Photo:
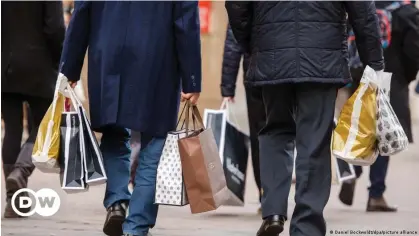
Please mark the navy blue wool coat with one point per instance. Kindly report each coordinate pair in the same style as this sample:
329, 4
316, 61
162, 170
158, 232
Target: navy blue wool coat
141, 54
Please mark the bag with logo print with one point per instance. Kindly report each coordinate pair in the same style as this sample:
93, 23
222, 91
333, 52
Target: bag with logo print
233, 150
202, 168
170, 187
390, 134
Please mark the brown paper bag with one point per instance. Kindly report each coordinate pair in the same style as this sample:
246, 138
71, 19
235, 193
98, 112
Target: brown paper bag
202, 169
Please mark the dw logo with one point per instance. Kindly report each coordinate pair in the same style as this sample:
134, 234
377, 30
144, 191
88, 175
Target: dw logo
46, 202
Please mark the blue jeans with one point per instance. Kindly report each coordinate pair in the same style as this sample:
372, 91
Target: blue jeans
378, 173
142, 212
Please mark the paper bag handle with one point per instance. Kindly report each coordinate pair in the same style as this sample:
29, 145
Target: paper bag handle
196, 117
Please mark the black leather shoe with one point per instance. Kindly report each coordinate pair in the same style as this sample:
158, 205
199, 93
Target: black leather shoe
346, 195
115, 218
272, 226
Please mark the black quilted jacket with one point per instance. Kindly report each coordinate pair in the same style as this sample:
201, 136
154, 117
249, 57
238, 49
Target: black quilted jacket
231, 64
296, 41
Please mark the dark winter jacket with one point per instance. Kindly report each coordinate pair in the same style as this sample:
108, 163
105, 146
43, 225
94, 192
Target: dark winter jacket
295, 41
231, 63
32, 34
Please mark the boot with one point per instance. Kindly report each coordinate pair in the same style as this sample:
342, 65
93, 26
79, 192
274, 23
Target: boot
15, 180
379, 205
8, 210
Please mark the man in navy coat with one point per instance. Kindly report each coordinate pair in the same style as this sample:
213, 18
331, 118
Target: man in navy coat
141, 55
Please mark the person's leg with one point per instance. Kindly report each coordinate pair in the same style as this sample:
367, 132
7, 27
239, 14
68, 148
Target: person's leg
116, 157
314, 120
29, 118
378, 174
276, 146
256, 115
24, 166
142, 211
12, 113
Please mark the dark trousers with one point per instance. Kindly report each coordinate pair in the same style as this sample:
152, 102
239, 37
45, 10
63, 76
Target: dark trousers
256, 114
13, 153
378, 173
301, 115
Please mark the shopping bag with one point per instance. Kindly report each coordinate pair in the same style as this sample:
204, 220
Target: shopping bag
92, 156
390, 134
47, 144
170, 187
233, 150
202, 168
354, 139
344, 170
71, 157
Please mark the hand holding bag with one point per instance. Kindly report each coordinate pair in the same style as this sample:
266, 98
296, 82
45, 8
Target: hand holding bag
202, 168
354, 139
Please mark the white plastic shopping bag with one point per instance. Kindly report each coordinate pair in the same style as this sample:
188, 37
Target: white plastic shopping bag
390, 134
354, 139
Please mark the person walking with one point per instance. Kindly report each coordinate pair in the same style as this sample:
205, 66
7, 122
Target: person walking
399, 23
32, 36
298, 57
141, 55
231, 64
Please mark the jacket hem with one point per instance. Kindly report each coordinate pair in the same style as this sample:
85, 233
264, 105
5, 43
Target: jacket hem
340, 81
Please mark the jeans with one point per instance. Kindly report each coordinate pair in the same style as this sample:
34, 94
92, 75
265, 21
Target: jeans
142, 211
378, 173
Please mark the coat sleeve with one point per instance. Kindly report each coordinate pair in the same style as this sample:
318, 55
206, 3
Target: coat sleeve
240, 18
363, 18
54, 29
188, 44
76, 41
231, 64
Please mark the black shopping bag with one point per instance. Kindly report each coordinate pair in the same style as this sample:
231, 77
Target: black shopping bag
234, 153
70, 155
93, 160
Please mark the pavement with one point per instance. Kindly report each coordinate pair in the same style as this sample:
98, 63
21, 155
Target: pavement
83, 214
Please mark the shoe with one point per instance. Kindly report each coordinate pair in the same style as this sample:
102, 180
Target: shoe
379, 205
16, 180
346, 195
114, 219
9, 213
272, 226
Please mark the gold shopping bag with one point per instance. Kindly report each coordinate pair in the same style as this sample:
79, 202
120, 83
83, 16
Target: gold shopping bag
354, 139
47, 145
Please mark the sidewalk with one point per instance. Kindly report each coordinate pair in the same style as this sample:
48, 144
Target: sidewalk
83, 214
